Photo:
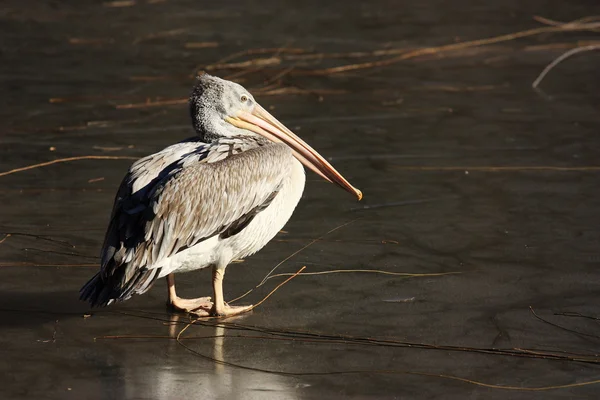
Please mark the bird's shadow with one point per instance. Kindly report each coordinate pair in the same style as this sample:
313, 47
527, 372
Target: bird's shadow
31, 308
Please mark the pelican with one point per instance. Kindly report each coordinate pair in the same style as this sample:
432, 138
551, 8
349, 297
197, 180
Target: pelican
205, 201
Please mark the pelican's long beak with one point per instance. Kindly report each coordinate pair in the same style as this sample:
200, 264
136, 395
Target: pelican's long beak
262, 122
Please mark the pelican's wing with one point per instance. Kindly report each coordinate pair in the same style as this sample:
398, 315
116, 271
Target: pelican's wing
202, 194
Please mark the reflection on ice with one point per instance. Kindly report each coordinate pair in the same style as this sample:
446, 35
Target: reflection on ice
196, 377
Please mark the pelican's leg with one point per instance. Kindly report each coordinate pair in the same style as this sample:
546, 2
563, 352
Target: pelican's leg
200, 306
220, 308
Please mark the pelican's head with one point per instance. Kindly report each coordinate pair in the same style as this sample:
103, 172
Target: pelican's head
222, 108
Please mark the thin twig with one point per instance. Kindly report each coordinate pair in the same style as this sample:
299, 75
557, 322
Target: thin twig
251, 308
455, 46
298, 335
560, 59
242, 72
576, 314
296, 90
560, 45
62, 253
157, 103
289, 257
5, 237
254, 52
275, 78
260, 67
374, 271
163, 34
119, 3
304, 248
68, 159
552, 22
40, 237
562, 327
255, 62
277, 287
383, 371
465, 380
501, 169
27, 264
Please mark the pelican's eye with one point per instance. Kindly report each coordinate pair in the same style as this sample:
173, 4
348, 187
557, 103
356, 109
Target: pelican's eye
244, 98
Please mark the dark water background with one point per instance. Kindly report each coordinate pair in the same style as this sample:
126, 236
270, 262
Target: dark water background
465, 169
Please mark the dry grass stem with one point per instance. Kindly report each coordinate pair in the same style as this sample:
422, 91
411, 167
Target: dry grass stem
5, 237
92, 41
292, 276
201, 45
561, 45
289, 257
164, 34
119, 3
551, 22
255, 62
251, 52
373, 271
576, 314
139, 78
235, 76
560, 59
63, 160
345, 340
296, 90
28, 264
155, 103
95, 180
450, 88
500, 169
560, 326
571, 26
304, 248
